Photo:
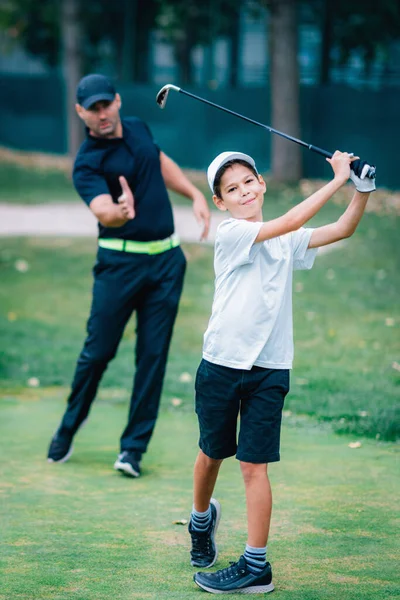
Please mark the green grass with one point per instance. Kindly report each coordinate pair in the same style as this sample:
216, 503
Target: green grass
80, 531
346, 324
33, 185
22, 185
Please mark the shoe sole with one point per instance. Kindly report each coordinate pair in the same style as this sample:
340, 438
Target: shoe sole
126, 469
64, 458
257, 589
218, 509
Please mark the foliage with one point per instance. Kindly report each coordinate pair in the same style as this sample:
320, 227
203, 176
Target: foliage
204, 19
365, 25
37, 27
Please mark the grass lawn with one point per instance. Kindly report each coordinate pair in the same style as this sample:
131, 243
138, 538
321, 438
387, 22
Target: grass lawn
80, 531
347, 319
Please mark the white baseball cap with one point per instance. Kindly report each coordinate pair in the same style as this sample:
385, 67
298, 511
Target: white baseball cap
221, 160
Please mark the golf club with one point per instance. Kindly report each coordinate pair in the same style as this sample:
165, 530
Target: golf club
162, 97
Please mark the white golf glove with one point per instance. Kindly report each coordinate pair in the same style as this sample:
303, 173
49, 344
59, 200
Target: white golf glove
358, 174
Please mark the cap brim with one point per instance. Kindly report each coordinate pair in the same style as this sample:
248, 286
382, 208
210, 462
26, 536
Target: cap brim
88, 102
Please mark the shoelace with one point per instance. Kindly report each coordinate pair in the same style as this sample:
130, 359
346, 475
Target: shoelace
232, 571
201, 544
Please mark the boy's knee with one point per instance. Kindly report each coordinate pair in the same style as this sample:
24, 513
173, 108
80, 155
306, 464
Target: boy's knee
208, 461
252, 471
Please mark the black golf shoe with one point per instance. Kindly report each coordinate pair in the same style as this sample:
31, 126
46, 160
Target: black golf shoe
236, 579
204, 550
60, 449
128, 463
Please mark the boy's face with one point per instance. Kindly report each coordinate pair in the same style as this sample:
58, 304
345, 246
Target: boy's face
242, 193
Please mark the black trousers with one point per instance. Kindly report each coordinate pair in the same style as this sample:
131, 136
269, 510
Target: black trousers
124, 282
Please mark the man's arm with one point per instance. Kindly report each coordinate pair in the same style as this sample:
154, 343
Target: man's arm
177, 181
114, 215
303, 212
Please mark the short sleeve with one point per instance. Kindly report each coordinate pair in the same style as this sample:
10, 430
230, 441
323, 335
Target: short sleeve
88, 182
303, 256
236, 239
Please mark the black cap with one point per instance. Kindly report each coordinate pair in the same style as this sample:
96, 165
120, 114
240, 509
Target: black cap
94, 88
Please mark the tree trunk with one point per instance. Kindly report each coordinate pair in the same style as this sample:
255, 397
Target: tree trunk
71, 36
235, 39
326, 45
285, 90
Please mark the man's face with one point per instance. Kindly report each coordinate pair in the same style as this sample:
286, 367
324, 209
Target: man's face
242, 193
102, 118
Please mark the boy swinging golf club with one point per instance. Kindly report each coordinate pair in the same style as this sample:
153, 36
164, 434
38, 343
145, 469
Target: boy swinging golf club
248, 350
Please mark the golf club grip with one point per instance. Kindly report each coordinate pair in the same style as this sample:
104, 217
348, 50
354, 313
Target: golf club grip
371, 173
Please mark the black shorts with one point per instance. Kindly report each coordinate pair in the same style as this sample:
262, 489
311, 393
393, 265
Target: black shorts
257, 395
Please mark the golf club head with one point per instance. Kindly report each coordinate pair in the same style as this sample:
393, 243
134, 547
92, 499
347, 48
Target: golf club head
162, 95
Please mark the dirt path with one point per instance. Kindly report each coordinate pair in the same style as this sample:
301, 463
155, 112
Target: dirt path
74, 219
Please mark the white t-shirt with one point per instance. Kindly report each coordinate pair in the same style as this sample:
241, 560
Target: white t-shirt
251, 321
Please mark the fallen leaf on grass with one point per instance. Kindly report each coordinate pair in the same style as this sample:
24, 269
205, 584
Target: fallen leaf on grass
330, 274
12, 316
180, 522
185, 377
355, 445
21, 265
301, 381
389, 322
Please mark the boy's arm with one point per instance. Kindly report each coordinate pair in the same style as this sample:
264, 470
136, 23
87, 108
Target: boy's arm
344, 227
303, 212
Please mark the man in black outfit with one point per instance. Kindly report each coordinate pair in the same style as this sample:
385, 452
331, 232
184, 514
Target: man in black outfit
122, 175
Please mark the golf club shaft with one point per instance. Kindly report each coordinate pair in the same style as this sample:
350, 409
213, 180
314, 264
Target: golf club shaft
163, 94
270, 129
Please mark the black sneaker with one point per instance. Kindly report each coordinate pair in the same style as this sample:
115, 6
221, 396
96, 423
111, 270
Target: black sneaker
236, 579
60, 449
204, 551
128, 463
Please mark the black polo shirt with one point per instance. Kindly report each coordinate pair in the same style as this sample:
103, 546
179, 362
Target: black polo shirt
99, 164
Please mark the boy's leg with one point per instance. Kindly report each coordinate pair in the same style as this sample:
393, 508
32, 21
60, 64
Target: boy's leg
258, 501
251, 574
263, 394
217, 407
206, 512
205, 475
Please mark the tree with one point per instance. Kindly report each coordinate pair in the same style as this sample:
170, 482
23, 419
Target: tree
284, 83
72, 68
363, 25
187, 23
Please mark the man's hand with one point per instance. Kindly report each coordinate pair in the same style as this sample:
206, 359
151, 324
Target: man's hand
201, 212
340, 163
358, 175
126, 200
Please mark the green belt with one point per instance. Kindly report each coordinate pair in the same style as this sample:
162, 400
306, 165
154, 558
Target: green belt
156, 247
